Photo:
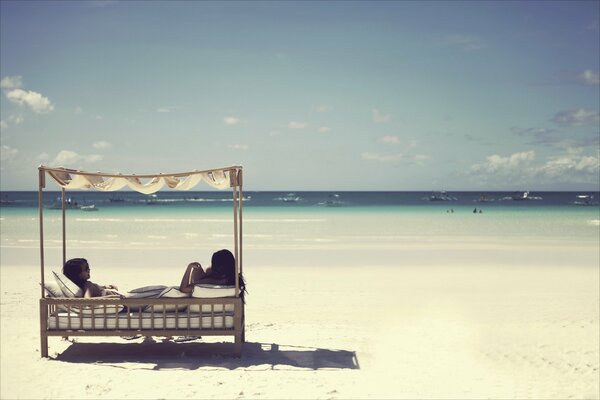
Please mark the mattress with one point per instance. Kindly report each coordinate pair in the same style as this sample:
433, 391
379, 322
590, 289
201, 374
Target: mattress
64, 320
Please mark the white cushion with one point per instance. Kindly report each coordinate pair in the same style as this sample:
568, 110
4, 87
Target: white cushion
68, 288
170, 293
206, 291
53, 290
98, 310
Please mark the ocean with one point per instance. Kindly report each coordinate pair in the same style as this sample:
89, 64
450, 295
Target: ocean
327, 222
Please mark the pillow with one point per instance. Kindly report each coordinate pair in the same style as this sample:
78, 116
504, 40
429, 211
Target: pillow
52, 289
68, 288
211, 291
169, 293
206, 291
145, 289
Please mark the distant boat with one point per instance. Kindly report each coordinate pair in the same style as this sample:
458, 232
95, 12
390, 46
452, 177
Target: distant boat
91, 207
522, 196
289, 198
584, 200
333, 201
116, 199
57, 205
440, 196
152, 199
485, 199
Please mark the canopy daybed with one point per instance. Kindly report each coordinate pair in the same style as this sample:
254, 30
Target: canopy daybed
210, 311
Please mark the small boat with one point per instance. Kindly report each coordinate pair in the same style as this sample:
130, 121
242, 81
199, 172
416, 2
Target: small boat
522, 196
152, 199
485, 199
116, 199
333, 201
289, 198
584, 200
440, 196
91, 207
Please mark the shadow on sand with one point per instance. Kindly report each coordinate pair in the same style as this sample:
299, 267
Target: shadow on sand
193, 355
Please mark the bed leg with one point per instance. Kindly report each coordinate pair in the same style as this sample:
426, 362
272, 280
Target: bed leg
237, 349
43, 329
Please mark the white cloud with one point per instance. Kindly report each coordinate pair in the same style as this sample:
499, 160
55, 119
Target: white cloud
496, 164
102, 144
390, 139
43, 156
7, 153
3, 125
67, 158
274, 133
324, 129
381, 157
589, 77
577, 117
322, 108
467, 43
11, 82
395, 157
16, 119
164, 109
571, 165
34, 100
231, 120
379, 117
297, 125
238, 146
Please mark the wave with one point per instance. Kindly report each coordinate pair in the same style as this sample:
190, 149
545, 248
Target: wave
594, 222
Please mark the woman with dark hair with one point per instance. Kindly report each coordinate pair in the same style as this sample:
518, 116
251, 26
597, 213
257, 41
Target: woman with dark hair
78, 271
220, 272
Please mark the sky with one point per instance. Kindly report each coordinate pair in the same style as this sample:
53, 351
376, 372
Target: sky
306, 95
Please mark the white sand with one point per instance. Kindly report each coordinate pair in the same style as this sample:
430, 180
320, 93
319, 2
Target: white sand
428, 327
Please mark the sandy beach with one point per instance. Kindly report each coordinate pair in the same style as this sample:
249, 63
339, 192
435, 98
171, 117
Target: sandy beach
415, 323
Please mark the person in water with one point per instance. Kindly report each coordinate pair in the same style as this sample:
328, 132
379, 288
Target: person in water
78, 271
220, 272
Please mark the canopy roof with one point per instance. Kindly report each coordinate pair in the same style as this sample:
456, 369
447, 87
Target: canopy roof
220, 178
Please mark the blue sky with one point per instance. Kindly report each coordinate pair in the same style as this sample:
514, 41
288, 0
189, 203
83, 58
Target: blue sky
306, 95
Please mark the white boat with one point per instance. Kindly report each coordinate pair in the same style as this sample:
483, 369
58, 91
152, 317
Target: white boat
485, 199
584, 200
91, 207
440, 196
333, 201
289, 198
521, 196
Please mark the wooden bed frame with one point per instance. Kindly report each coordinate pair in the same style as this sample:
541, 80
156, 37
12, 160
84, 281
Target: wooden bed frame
55, 311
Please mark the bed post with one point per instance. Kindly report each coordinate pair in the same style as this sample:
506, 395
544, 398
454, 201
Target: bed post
64, 237
41, 184
242, 307
43, 306
235, 229
43, 328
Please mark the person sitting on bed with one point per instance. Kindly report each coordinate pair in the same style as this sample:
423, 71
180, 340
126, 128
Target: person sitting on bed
220, 272
78, 271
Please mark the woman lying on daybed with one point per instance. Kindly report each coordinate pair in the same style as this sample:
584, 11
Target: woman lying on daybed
220, 272
78, 271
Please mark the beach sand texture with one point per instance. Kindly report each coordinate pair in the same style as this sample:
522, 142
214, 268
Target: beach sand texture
467, 317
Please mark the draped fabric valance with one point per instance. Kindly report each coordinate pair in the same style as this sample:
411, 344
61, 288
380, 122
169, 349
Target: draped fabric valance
221, 178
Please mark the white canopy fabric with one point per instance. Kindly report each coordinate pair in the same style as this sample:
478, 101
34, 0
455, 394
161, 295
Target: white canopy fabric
72, 179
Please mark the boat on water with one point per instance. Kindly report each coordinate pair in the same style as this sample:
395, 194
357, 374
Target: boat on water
523, 196
584, 200
485, 199
152, 199
289, 198
91, 207
440, 196
333, 201
57, 204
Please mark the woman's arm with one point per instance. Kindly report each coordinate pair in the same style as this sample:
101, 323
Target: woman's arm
191, 276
